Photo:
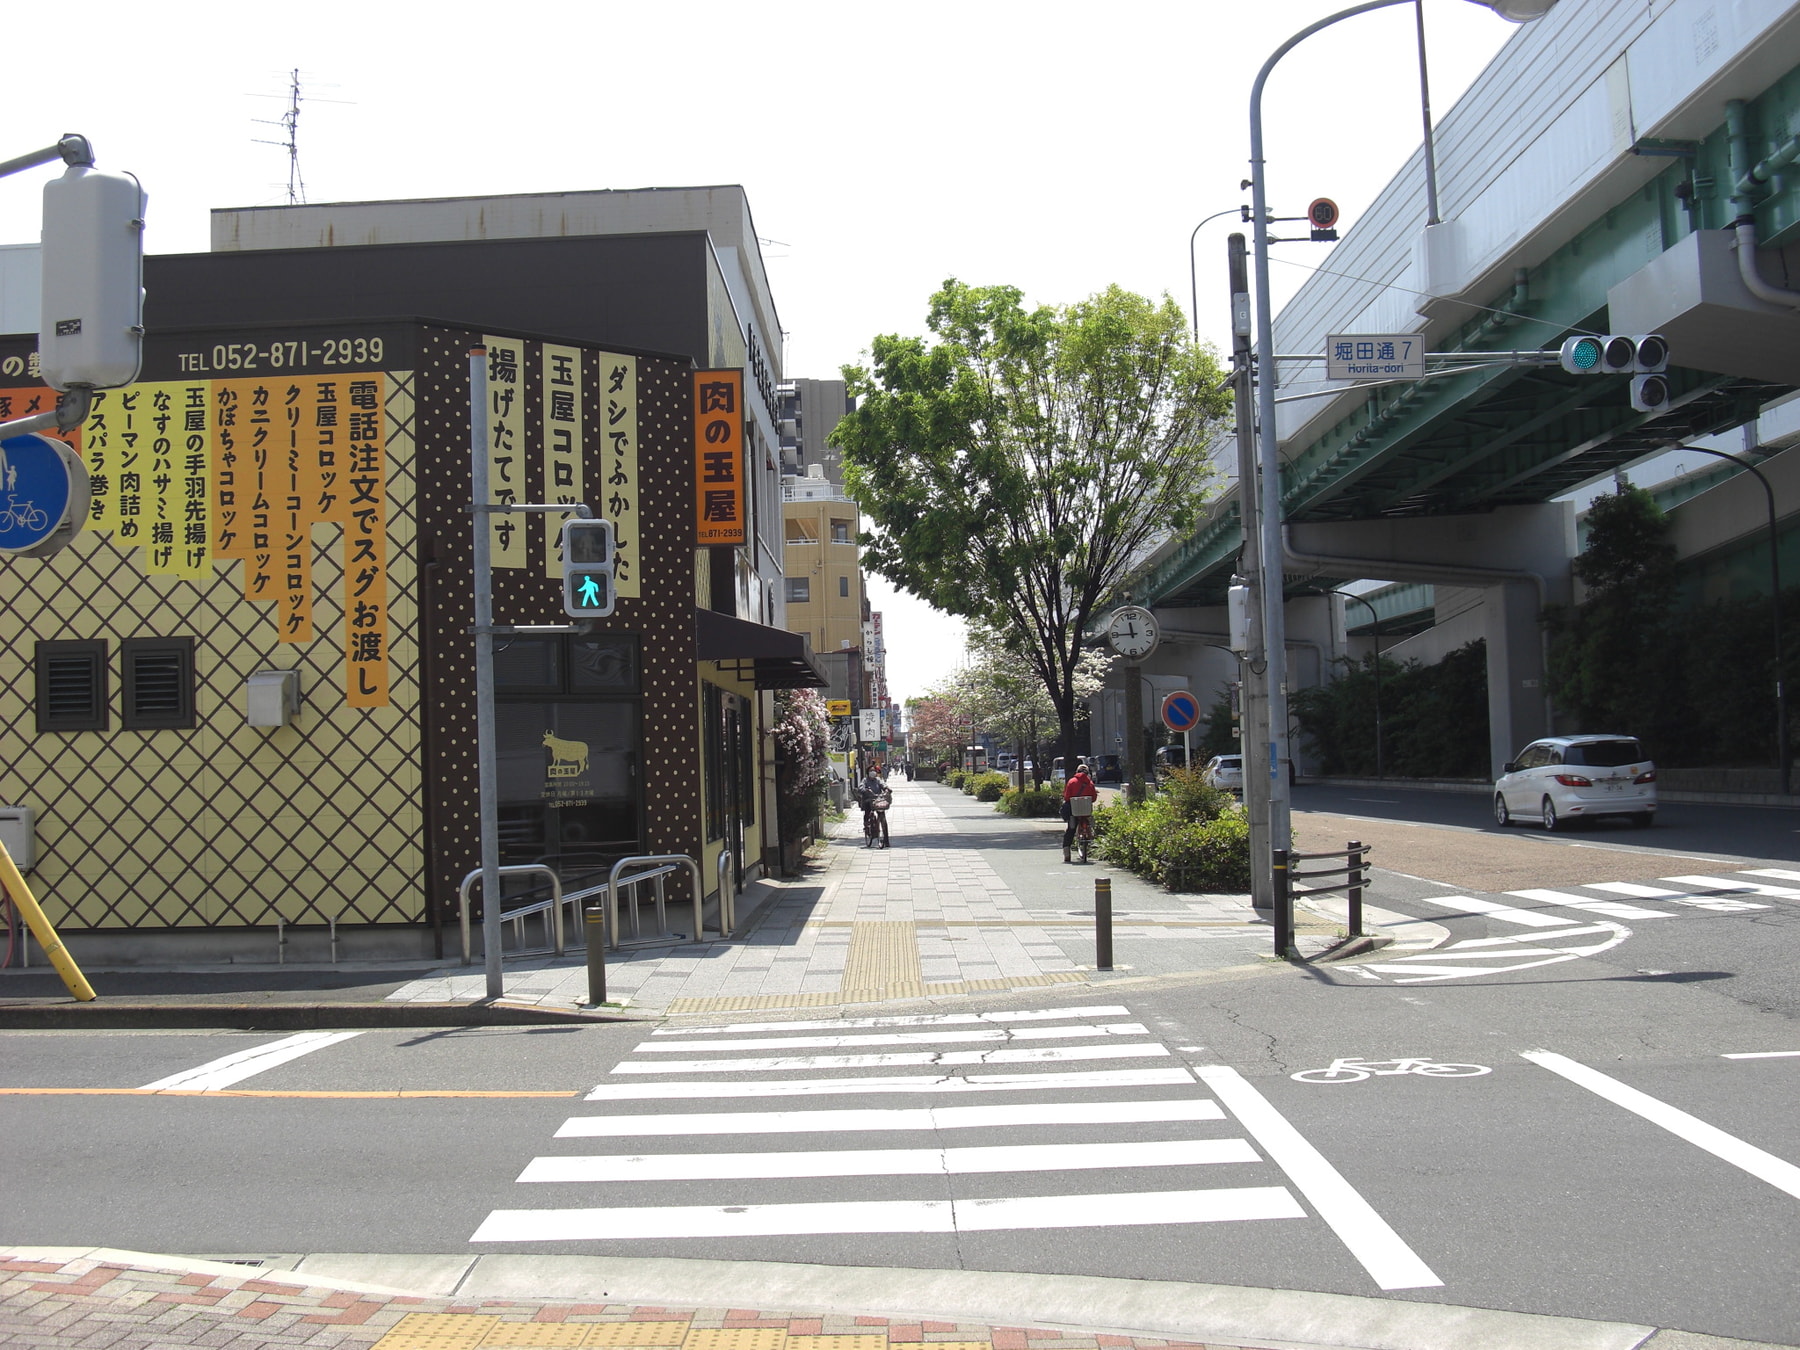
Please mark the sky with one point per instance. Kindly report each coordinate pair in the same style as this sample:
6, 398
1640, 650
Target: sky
1056, 147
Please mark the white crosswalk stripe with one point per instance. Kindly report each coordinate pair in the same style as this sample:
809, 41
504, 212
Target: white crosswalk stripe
1096, 1148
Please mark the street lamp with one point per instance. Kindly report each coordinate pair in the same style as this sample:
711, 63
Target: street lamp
1194, 271
1273, 642
1781, 736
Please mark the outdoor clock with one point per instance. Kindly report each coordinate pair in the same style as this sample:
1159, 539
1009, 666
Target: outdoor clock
1132, 632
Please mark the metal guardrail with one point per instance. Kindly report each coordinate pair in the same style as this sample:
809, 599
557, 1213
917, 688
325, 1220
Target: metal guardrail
1351, 886
553, 905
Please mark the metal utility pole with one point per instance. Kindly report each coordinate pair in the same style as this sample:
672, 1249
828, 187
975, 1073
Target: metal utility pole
1134, 734
1255, 717
488, 770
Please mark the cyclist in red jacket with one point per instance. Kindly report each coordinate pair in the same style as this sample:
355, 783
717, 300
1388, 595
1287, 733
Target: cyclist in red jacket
1080, 784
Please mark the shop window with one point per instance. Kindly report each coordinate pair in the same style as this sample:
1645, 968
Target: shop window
569, 744
799, 590
158, 684
599, 663
71, 686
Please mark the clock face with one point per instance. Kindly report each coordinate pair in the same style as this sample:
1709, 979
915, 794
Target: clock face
1132, 631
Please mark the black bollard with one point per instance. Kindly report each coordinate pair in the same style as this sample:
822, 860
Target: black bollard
1103, 959
1355, 889
595, 932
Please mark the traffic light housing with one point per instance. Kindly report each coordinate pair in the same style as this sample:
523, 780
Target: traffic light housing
91, 329
1643, 356
587, 557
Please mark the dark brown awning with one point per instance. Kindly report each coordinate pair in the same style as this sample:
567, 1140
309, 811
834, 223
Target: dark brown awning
772, 658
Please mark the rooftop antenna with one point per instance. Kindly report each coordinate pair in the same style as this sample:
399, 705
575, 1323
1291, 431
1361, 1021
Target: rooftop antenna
290, 123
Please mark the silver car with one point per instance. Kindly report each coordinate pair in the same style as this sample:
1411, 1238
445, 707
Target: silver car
1567, 778
1225, 771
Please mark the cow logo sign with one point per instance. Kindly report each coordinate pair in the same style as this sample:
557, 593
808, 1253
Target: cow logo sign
566, 774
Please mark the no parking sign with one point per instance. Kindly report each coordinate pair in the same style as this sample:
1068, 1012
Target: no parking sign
1180, 711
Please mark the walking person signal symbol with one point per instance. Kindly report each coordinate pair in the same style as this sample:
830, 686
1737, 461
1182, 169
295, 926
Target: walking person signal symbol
587, 549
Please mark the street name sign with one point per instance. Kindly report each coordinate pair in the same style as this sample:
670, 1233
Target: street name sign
1375, 356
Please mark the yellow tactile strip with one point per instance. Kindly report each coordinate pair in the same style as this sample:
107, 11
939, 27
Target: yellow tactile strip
742, 1330
882, 954
756, 1002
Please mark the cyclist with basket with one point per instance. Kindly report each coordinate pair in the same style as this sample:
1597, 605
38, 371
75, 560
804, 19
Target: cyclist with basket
1079, 796
873, 796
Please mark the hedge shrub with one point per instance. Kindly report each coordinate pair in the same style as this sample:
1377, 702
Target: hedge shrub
1189, 837
986, 787
1031, 801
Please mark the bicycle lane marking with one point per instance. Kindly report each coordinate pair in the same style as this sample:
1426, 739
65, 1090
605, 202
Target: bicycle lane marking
1764, 1166
1391, 1263
1354, 1069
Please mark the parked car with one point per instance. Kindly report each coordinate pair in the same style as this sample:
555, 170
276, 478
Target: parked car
1170, 757
1225, 771
1107, 768
1561, 779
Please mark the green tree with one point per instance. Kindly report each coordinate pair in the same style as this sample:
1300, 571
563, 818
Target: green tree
1002, 696
1615, 665
1016, 463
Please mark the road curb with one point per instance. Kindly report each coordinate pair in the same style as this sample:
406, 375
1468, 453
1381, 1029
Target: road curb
112, 1015
1216, 1314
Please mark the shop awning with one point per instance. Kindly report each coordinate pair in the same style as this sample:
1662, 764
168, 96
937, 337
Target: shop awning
772, 657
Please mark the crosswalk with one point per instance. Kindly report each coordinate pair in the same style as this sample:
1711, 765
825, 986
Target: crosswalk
1013, 1127
1601, 911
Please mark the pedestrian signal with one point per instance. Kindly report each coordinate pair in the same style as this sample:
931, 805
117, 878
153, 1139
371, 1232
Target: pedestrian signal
587, 557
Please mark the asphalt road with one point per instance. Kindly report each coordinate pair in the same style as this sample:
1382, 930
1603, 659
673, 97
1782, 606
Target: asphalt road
1612, 1162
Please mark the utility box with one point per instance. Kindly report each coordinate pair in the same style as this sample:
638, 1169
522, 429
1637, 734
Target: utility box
272, 698
18, 831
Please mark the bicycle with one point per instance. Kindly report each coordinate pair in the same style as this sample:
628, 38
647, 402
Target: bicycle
26, 517
1081, 811
875, 828
1355, 1070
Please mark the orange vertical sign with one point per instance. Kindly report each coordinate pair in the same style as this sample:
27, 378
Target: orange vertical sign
365, 545
719, 457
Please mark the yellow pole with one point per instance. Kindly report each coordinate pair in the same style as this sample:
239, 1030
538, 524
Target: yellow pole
41, 929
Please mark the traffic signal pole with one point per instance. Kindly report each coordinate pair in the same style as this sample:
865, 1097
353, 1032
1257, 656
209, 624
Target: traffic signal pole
1254, 741
484, 629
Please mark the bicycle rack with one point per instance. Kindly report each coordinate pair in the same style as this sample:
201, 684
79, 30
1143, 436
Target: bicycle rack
551, 908
656, 866
1351, 886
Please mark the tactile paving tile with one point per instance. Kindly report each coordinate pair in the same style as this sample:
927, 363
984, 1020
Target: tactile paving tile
878, 1341
437, 1331
635, 1333
536, 1336
736, 1338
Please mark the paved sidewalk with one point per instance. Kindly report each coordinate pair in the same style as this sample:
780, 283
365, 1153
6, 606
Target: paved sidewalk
966, 900
94, 1299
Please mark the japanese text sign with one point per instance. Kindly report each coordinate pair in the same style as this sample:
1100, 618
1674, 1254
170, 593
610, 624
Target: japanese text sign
719, 457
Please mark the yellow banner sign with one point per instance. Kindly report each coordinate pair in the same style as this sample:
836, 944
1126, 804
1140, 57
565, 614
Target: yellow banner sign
838, 707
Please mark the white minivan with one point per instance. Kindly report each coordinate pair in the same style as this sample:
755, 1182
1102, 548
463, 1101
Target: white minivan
1566, 778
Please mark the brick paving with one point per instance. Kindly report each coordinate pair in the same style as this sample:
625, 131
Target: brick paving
90, 1304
